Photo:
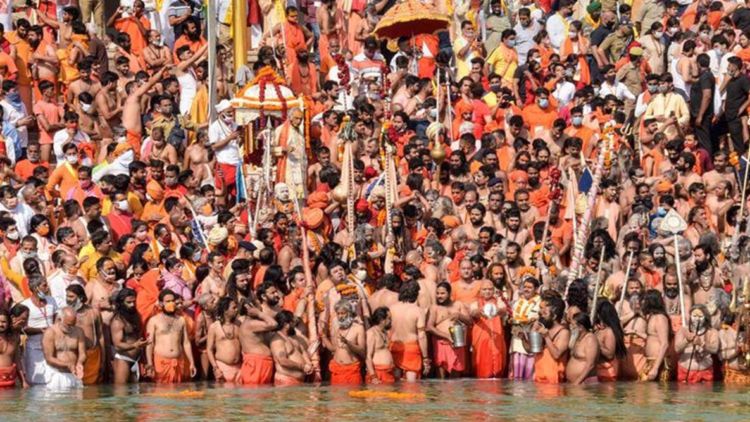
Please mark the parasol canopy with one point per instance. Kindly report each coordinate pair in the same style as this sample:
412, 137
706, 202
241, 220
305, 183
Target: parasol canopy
410, 17
265, 95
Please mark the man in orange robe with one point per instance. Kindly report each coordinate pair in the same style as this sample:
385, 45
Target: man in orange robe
488, 335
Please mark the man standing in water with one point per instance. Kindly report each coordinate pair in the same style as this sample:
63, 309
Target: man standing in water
408, 338
90, 322
379, 359
64, 347
449, 359
584, 352
289, 352
223, 344
347, 343
10, 356
169, 345
126, 337
658, 331
257, 361
695, 346
549, 365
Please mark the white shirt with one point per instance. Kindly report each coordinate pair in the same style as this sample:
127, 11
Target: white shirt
22, 213
564, 92
188, 91
62, 137
525, 39
57, 283
619, 90
557, 30
229, 153
42, 317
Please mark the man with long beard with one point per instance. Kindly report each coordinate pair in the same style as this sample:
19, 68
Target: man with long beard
90, 322
289, 351
672, 302
169, 344
449, 359
695, 346
347, 343
634, 329
125, 329
549, 365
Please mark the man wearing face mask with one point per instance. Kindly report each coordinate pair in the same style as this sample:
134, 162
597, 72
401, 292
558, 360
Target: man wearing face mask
169, 344
695, 346
70, 135
42, 311
64, 278
90, 323
120, 217
668, 108
64, 179
504, 60
19, 211
540, 115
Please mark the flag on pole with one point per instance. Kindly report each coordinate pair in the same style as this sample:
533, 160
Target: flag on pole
743, 169
239, 181
586, 181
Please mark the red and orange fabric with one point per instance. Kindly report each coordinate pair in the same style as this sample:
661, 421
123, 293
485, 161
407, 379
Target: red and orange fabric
345, 374
695, 376
489, 355
384, 373
256, 369
8, 376
93, 365
451, 359
548, 370
168, 370
407, 356
147, 295
607, 371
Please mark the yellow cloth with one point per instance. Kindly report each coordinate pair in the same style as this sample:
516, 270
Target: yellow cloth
88, 268
135, 205
504, 62
664, 105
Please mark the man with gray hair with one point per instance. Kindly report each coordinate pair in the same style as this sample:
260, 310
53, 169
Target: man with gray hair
346, 340
64, 346
42, 310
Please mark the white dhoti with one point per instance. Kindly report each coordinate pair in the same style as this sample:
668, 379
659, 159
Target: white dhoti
134, 369
58, 380
33, 360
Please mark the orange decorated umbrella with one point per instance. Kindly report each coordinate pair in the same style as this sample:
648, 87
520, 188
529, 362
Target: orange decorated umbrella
410, 17
267, 94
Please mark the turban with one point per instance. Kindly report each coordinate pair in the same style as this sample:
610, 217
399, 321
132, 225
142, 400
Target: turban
581, 204
361, 205
433, 129
664, 186
312, 217
217, 235
594, 7
370, 172
377, 191
317, 200
450, 221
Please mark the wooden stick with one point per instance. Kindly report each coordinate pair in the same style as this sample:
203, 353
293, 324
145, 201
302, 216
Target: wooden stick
596, 284
625, 285
679, 278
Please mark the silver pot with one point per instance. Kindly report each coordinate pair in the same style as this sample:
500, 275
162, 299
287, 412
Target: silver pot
458, 334
536, 342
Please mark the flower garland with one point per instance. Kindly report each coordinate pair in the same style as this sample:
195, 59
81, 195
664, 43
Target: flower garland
265, 76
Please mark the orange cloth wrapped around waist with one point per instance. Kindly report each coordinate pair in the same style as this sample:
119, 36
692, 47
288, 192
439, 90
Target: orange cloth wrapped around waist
407, 356
281, 380
230, 373
256, 369
385, 373
345, 374
731, 376
134, 140
93, 365
695, 376
548, 370
8, 376
607, 371
168, 371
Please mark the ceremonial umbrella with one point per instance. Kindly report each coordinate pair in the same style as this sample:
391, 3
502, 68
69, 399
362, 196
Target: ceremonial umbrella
410, 17
264, 95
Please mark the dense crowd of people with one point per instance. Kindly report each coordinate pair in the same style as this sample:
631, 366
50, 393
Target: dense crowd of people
543, 190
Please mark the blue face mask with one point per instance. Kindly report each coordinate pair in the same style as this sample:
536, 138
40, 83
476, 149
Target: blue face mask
13, 97
577, 121
543, 102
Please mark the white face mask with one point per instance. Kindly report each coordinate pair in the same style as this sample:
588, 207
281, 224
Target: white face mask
72, 159
123, 205
85, 107
127, 157
12, 235
360, 275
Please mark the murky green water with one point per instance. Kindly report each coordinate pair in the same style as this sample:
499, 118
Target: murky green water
441, 400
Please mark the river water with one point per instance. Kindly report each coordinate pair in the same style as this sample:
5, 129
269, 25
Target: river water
428, 400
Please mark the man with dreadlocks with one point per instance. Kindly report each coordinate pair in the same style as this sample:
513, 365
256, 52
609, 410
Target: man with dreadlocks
127, 342
658, 332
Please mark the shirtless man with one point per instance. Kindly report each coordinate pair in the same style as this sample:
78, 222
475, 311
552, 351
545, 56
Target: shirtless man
125, 329
733, 353
169, 344
89, 121
90, 322
108, 102
131, 109
223, 345
324, 159
100, 290
11, 367
64, 348
379, 359
476, 215
160, 148
214, 283
671, 290
197, 159
549, 365
695, 346
634, 330
257, 361
386, 293
408, 337
270, 299
449, 359
658, 333
424, 273
346, 341
584, 351
289, 351
84, 83
156, 55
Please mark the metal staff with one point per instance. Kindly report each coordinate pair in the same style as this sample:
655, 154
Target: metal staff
679, 278
625, 285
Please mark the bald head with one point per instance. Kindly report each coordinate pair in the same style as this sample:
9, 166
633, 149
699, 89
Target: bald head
68, 316
413, 258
